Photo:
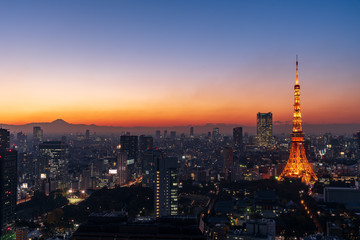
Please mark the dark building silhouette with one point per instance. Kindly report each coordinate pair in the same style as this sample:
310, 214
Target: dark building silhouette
157, 134
116, 226
37, 135
216, 134
129, 145
238, 136
87, 134
191, 131
8, 184
173, 134
228, 161
145, 143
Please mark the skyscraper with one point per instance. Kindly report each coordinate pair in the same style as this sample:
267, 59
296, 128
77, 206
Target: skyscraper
216, 134
148, 167
228, 161
264, 129
145, 143
238, 136
37, 135
122, 171
173, 135
87, 134
4, 140
166, 185
298, 165
53, 161
8, 185
191, 131
157, 134
129, 145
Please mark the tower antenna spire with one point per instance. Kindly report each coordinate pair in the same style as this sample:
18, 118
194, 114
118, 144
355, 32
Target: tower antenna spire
297, 70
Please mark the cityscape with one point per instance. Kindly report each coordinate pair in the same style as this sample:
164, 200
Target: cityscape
179, 120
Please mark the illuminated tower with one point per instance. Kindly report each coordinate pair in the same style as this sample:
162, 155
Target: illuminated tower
165, 185
297, 165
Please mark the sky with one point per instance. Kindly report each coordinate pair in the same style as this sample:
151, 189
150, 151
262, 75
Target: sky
167, 63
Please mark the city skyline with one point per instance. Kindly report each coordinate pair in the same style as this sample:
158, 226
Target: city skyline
167, 64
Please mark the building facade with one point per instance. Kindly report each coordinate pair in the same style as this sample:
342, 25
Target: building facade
53, 162
8, 185
166, 185
238, 136
264, 129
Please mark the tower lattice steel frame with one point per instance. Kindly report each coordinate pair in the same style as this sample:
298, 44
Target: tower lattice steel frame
298, 166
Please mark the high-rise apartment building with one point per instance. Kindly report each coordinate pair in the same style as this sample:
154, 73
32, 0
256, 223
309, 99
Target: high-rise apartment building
4, 140
228, 161
357, 144
53, 161
122, 170
37, 135
166, 185
157, 134
8, 186
145, 143
148, 167
87, 134
129, 145
173, 135
191, 131
216, 134
238, 136
264, 129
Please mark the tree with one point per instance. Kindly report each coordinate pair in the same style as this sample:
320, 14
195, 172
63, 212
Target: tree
55, 217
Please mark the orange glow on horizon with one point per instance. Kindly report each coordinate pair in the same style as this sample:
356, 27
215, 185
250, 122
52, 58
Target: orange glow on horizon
160, 104
159, 117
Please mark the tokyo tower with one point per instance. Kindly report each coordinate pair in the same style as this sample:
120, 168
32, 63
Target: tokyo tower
298, 166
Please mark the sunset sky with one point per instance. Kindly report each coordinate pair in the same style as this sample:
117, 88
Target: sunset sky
163, 63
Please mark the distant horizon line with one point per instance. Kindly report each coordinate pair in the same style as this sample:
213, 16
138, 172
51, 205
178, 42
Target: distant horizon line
180, 125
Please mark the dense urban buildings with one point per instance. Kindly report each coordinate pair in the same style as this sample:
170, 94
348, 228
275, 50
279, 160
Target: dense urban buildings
264, 129
233, 190
8, 185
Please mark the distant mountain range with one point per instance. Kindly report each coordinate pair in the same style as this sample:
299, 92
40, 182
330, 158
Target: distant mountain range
60, 126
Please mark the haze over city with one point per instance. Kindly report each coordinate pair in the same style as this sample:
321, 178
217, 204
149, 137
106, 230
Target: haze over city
166, 63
